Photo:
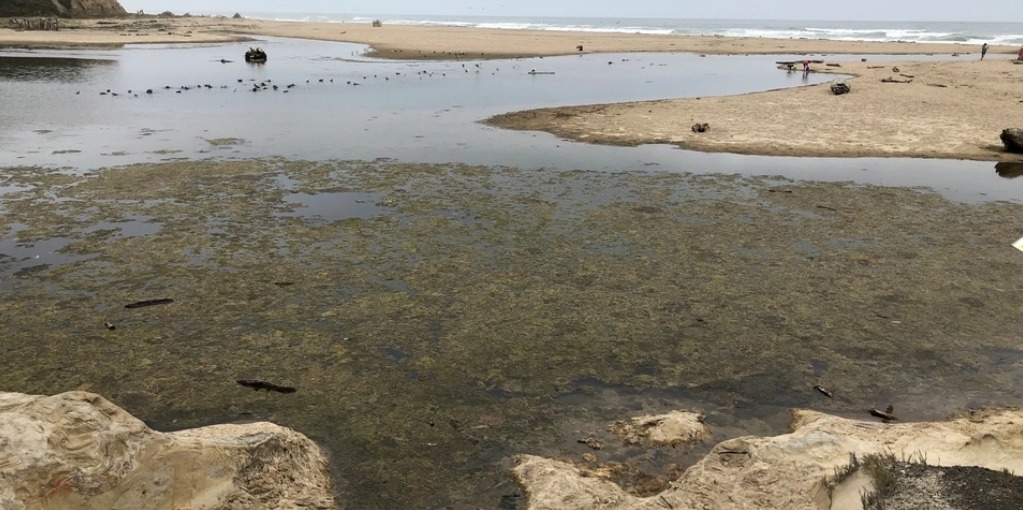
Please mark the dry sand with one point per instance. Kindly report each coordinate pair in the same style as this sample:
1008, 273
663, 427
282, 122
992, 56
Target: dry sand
949, 110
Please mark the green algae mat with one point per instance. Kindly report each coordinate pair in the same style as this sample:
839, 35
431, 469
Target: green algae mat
438, 319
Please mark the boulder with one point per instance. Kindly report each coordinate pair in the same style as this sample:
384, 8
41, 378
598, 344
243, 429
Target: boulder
840, 88
77, 450
791, 471
671, 429
1012, 138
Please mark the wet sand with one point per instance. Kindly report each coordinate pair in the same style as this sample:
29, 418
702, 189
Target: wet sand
437, 319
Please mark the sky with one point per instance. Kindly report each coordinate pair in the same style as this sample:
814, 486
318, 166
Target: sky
854, 10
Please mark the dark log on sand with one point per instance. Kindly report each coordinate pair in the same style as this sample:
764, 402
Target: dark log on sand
1013, 139
840, 88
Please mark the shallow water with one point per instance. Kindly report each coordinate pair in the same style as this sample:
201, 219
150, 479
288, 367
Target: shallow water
409, 111
458, 316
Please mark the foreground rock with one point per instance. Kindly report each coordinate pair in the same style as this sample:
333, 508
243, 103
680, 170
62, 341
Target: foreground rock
77, 450
791, 471
671, 429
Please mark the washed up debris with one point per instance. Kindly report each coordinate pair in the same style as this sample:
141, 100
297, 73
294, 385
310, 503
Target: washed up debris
1012, 138
840, 88
150, 302
110, 326
895, 80
701, 128
823, 391
257, 385
591, 441
1018, 244
885, 415
256, 55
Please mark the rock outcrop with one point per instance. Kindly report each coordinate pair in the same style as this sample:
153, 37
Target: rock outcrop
787, 471
671, 429
62, 8
79, 451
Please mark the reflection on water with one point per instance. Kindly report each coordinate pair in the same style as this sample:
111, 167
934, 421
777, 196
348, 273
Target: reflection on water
49, 69
331, 207
1009, 169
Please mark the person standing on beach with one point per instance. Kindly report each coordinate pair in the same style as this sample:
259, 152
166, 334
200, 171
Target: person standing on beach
983, 51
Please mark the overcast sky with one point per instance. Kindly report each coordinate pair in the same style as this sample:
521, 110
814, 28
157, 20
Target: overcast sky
863, 10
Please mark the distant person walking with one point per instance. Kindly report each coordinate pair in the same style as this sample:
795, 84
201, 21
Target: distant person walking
983, 51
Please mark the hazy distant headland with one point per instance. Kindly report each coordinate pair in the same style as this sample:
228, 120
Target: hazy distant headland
62, 8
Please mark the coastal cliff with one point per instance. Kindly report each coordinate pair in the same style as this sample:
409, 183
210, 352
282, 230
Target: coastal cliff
62, 8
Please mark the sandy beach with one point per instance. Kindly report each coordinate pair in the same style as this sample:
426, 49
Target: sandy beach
946, 110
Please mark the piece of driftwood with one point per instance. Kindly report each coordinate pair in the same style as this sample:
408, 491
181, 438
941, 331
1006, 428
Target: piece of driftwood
1012, 138
257, 385
840, 88
149, 302
895, 80
820, 389
883, 415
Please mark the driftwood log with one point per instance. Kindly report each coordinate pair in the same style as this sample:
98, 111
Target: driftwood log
1013, 139
840, 88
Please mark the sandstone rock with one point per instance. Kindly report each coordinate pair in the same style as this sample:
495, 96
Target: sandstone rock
787, 471
1012, 138
672, 429
79, 451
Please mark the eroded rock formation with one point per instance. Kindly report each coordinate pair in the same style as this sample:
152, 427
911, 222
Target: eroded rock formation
77, 451
787, 471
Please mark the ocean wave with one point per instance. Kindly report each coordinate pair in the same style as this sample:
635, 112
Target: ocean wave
922, 32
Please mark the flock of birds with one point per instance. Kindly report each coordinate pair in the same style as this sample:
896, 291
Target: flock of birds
268, 84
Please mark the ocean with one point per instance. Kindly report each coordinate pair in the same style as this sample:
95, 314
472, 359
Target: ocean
968, 33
